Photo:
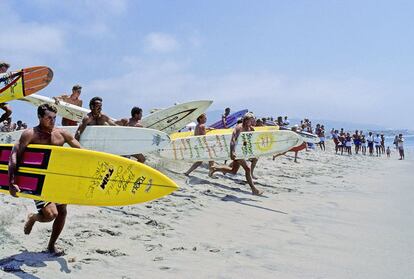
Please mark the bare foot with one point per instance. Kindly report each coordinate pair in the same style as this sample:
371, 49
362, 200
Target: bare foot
257, 192
55, 252
186, 174
29, 223
211, 172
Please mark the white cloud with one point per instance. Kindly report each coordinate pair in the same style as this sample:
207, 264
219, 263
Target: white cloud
161, 42
265, 93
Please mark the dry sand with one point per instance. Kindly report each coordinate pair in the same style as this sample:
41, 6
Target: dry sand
328, 216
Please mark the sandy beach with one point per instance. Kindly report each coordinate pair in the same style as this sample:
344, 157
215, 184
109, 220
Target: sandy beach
328, 216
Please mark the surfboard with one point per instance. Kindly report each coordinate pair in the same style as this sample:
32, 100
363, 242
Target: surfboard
174, 118
231, 120
308, 137
178, 135
64, 109
216, 147
79, 176
18, 84
117, 140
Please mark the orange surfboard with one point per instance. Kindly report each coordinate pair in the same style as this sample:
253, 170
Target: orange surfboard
18, 84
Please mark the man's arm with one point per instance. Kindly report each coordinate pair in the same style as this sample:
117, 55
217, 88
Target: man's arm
15, 157
109, 120
122, 122
224, 121
69, 139
81, 128
233, 141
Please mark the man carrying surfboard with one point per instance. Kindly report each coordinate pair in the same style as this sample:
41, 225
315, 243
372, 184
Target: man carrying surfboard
95, 117
72, 99
200, 129
44, 133
4, 66
134, 121
245, 126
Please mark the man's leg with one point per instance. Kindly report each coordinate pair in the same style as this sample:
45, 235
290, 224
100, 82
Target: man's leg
249, 179
193, 167
253, 166
57, 228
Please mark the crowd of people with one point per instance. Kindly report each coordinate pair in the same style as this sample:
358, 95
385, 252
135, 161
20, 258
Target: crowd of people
9, 126
372, 144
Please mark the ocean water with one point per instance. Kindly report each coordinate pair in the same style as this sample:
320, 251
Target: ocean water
408, 141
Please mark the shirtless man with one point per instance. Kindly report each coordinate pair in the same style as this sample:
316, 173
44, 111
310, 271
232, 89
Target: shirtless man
224, 117
134, 121
245, 126
200, 129
72, 99
95, 117
44, 133
4, 106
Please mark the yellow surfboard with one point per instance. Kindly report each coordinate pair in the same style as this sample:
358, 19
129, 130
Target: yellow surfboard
180, 135
79, 176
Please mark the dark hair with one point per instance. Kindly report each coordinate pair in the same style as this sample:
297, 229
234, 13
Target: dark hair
76, 87
199, 118
4, 64
93, 100
41, 110
135, 110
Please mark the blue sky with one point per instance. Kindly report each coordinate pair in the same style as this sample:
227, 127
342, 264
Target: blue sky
339, 60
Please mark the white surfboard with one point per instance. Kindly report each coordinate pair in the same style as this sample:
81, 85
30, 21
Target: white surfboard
217, 147
174, 118
118, 140
64, 109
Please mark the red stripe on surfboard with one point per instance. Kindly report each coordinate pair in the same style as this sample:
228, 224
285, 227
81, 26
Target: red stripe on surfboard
30, 158
25, 182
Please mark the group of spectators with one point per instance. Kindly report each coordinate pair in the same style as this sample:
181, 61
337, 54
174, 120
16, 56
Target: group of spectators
373, 144
8, 126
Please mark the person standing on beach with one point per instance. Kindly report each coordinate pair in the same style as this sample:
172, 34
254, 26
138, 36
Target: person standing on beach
363, 144
224, 118
4, 66
200, 130
44, 133
400, 145
377, 141
357, 141
245, 126
134, 121
370, 142
95, 117
72, 99
382, 144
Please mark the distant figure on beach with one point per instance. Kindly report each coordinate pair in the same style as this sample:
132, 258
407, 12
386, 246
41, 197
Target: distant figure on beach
363, 145
4, 66
357, 141
286, 121
377, 142
224, 117
245, 126
382, 144
134, 121
200, 129
396, 142
348, 143
320, 131
388, 151
370, 142
44, 133
400, 144
95, 117
72, 99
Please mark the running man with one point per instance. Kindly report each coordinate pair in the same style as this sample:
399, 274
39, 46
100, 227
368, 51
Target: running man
72, 99
44, 133
95, 117
200, 130
245, 126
